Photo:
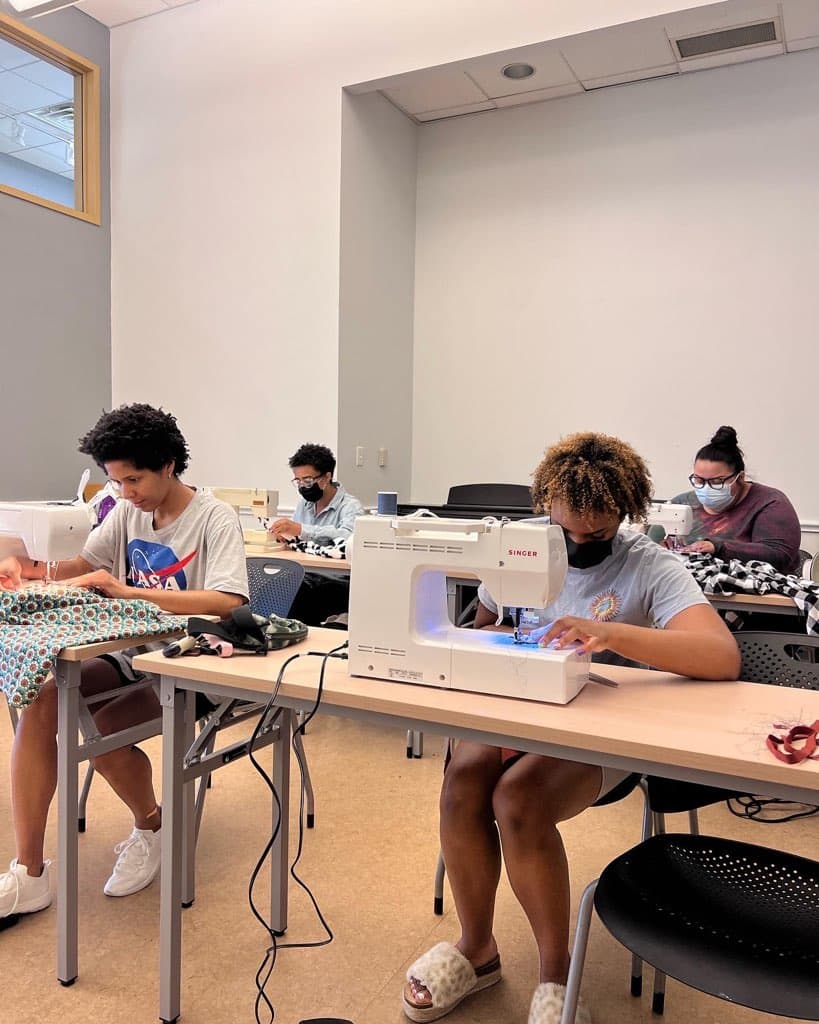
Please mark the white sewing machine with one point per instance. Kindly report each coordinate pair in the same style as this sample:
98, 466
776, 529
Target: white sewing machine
262, 504
399, 628
47, 531
676, 520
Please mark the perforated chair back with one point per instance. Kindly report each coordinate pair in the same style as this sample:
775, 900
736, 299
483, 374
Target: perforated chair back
737, 921
274, 583
510, 495
784, 659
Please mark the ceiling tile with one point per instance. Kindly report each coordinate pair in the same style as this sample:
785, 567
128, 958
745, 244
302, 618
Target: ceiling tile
12, 56
538, 95
550, 70
56, 79
711, 18
801, 18
466, 108
40, 158
631, 76
615, 50
435, 90
808, 43
18, 94
117, 12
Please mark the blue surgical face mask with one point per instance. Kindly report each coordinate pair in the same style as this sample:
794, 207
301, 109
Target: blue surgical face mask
715, 499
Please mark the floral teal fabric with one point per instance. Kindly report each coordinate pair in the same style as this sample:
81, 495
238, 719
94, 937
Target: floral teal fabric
38, 622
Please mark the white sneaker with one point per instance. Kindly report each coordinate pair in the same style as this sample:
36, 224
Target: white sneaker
22, 893
137, 864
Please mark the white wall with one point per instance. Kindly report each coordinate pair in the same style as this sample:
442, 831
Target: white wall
226, 120
376, 295
638, 260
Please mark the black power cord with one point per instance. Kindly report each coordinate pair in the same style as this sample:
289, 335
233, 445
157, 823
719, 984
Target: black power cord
764, 809
269, 960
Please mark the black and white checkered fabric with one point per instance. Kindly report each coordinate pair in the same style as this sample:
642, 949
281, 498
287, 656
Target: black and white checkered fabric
718, 577
324, 547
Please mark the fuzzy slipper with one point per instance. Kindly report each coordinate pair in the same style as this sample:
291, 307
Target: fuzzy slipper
449, 978
547, 1005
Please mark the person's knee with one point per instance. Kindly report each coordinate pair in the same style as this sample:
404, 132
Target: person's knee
522, 809
42, 713
466, 790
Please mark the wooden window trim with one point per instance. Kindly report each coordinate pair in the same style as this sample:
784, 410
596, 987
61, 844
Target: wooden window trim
88, 117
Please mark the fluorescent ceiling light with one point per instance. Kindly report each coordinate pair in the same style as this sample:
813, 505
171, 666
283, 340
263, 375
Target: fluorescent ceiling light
33, 8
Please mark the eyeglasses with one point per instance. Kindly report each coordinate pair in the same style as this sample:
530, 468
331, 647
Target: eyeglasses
305, 481
717, 482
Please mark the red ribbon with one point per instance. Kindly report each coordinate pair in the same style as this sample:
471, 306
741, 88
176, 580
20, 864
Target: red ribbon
782, 747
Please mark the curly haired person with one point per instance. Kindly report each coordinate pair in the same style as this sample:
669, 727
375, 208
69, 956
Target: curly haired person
166, 543
619, 586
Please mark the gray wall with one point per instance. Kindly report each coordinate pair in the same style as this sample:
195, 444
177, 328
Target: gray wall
378, 157
55, 315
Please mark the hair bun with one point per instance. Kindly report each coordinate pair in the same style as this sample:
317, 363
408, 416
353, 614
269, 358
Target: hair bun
725, 437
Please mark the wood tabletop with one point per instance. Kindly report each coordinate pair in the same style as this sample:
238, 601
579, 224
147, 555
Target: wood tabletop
650, 719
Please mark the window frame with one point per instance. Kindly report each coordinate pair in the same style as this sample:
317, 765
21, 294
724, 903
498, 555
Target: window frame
89, 207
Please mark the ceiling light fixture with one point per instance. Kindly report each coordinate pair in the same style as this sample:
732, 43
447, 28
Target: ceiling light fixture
33, 8
517, 71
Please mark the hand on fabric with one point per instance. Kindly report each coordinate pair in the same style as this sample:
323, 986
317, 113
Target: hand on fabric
703, 546
594, 636
11, 574
103, 582
284, 529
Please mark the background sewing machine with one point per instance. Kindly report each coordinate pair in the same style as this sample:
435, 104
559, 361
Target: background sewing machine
399, 628
676, 520
264, 505
47, 531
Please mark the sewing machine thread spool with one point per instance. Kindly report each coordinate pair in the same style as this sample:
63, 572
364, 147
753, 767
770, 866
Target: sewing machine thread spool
387, 503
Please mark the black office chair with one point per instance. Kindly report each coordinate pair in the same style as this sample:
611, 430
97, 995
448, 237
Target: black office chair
782, 659
509, 495
274, 583
734, 920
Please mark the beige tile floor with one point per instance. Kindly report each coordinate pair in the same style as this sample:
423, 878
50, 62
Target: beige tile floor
370, 863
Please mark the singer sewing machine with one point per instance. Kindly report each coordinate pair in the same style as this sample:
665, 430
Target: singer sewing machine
399, 628
47, 531
262, 504
676, 520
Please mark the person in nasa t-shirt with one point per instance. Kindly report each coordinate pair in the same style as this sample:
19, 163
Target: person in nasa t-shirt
163, 542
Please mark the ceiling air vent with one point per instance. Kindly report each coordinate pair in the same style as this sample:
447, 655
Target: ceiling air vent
726, 39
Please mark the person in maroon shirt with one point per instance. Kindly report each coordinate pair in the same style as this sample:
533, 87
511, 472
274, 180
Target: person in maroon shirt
734, 518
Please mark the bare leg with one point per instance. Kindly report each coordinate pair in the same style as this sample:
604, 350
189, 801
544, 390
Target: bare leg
471, 849
34, 762
127, 770
530, 799
34, 776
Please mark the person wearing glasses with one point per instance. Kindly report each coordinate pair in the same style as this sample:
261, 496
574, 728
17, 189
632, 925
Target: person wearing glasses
734, 518
325, 512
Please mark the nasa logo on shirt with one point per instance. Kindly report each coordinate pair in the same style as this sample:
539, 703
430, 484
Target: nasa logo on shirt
156, 566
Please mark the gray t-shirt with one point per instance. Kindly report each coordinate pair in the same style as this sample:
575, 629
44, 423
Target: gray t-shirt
640, 583
202, 549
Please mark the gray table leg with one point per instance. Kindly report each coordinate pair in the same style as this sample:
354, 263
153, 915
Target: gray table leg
189, 812
68, 676
170, 909
279, 852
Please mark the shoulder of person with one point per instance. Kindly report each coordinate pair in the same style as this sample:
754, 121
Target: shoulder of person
765, 494
214, 509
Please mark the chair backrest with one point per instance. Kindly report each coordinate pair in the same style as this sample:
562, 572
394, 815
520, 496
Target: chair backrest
512, 495
785, 659
273, 583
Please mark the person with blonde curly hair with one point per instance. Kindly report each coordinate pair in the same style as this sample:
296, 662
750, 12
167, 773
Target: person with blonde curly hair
620, 585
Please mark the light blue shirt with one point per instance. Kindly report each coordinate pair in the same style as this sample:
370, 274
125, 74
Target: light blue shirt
335, 521
640, 583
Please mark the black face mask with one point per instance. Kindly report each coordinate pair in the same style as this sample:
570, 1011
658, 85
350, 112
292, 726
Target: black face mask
311, 493
584, 556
